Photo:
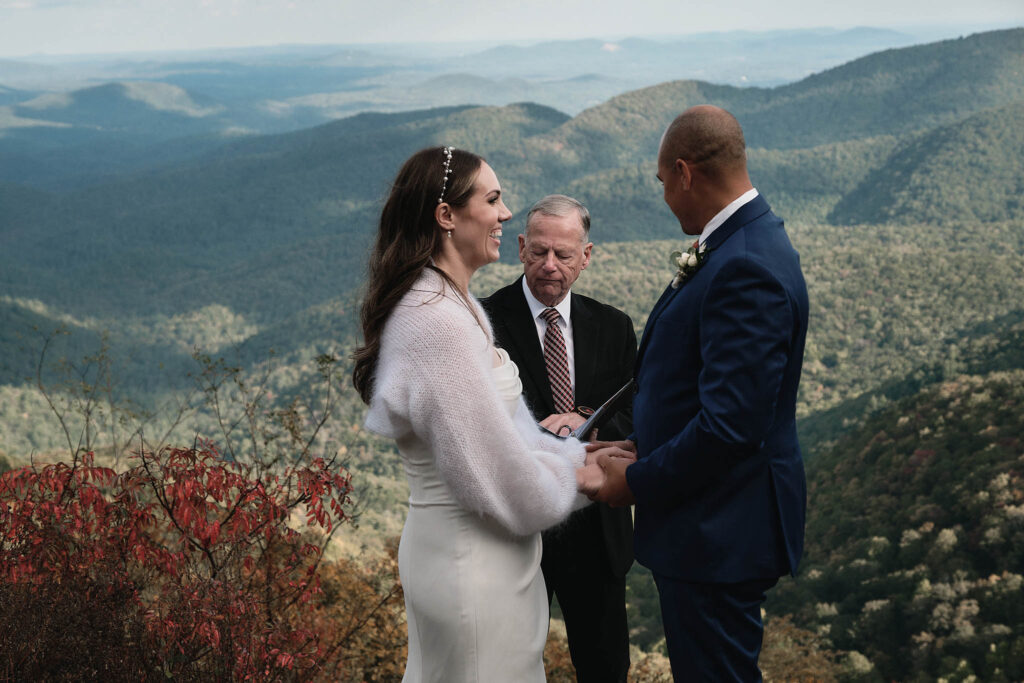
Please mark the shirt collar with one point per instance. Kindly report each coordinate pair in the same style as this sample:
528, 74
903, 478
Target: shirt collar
536, 307
726, 213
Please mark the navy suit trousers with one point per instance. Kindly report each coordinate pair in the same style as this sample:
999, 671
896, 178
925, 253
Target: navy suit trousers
713, 630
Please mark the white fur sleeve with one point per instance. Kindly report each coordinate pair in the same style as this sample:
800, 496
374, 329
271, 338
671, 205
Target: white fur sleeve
435, 376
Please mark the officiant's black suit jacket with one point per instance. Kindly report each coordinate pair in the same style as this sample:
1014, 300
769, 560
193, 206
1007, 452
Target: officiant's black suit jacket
605, 350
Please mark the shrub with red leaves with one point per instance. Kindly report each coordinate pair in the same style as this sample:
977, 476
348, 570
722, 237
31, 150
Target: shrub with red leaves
184, 566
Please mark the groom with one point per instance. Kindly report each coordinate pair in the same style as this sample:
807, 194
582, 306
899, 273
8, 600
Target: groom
718, 481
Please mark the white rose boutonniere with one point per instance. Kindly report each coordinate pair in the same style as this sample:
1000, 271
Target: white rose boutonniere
688, 263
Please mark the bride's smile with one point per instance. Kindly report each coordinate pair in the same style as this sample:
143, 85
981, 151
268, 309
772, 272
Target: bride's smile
477, 230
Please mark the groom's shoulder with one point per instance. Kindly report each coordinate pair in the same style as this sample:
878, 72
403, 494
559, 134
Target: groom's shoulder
764, 234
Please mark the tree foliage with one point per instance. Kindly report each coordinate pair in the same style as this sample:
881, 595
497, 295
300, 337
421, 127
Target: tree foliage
195, 551
915, 535
963, 172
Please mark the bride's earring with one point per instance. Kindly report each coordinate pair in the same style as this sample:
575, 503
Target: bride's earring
449, 234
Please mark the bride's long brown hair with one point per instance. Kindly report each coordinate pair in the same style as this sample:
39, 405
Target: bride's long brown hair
407, 238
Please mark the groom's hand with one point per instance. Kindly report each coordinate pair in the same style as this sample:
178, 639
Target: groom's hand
624, 449
613, 461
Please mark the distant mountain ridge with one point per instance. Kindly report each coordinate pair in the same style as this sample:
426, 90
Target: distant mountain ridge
907, 89
738, 58
234, 207
291, 87
132, 107
891, 93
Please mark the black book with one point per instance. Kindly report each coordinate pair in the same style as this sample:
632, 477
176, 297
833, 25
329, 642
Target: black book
602, 414
606, 411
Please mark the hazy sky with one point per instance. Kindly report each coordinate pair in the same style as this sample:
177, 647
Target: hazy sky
30, 27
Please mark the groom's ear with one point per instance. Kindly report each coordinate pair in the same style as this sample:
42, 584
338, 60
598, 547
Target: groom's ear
686, 174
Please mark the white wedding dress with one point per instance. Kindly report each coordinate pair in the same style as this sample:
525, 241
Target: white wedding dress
483, 482
475, 597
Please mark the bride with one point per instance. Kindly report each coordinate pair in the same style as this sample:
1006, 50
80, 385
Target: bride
483, 479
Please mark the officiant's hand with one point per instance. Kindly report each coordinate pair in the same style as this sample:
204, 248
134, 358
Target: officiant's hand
563, 424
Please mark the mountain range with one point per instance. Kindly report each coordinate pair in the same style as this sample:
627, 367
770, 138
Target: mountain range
819, 145
96, 99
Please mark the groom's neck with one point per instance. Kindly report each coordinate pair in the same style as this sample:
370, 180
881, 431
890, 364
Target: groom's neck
714, 194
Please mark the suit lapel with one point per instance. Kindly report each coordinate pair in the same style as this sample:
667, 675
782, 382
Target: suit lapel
523, 336
666, 296
750, 211
584, 334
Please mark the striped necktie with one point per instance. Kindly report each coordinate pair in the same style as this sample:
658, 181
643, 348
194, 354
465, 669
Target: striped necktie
557, 361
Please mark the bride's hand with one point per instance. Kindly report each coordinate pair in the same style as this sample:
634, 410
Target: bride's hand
589, 479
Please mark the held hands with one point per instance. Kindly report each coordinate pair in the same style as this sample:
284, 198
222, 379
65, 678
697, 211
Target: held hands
589, 479
603, 476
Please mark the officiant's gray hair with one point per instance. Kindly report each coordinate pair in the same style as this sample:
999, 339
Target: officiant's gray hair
560, 205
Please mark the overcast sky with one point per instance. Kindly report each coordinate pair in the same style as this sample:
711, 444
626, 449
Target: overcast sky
32, 27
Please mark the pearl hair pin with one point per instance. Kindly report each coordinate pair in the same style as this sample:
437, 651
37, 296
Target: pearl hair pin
447, 171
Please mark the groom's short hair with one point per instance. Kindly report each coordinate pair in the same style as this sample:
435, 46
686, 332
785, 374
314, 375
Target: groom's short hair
560, 205
707, 137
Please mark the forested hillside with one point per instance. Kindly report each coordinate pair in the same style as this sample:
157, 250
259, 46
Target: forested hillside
290, 214
914, 547
968, 171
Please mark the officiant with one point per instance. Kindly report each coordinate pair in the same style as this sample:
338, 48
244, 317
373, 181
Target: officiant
573, 353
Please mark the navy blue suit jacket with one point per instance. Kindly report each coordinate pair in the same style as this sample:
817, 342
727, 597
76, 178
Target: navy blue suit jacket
719, 483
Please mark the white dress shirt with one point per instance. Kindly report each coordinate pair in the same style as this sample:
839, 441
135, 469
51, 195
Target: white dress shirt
565, 325
724, 215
